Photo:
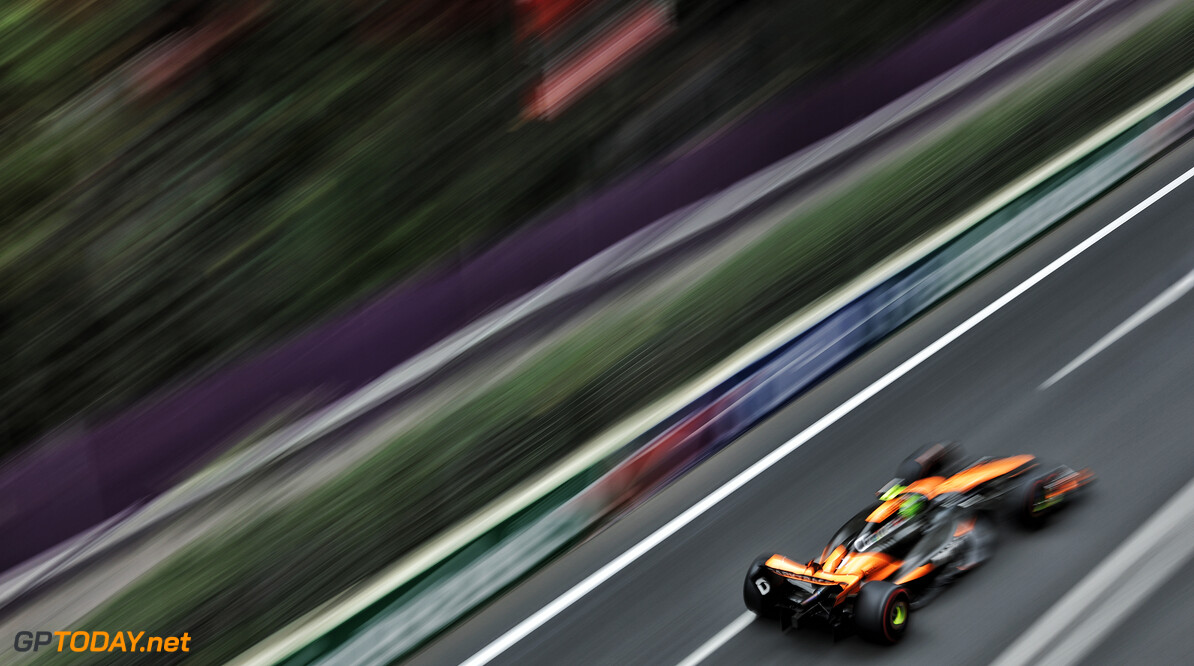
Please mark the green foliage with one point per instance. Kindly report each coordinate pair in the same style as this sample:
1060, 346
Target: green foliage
301, 168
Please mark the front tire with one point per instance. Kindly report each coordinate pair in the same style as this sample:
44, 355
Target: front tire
1031, 507
929, 460
881, 612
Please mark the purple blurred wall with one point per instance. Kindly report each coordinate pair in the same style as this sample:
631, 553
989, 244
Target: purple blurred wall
55, 492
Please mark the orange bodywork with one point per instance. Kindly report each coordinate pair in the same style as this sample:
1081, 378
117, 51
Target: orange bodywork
781, 563
964, 527
877, 566
834, 558
963, 481
926, 486
981, 473
787, 568
884, 511
871, 565
915, 573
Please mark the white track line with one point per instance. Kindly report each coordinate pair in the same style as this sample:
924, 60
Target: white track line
577, 592
721, 638
1081, 619
1167, 298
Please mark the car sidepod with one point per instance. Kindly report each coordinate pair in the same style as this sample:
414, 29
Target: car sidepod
954, 545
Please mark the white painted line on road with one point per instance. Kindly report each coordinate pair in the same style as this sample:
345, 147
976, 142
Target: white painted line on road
1167, 298
719, 639
577, 592
1083, 617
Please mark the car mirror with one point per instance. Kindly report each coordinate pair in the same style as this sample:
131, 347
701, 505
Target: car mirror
893, 488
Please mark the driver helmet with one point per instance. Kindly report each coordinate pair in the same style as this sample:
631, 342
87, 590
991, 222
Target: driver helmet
911, 505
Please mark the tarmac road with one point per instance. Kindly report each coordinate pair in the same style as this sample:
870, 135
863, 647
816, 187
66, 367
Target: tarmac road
1127, 412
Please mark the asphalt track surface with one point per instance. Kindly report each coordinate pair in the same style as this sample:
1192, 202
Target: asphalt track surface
1127, 413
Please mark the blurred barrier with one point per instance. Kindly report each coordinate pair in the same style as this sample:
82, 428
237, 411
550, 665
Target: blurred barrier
401, 620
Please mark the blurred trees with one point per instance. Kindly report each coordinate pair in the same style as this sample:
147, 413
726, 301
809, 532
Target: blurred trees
185, 181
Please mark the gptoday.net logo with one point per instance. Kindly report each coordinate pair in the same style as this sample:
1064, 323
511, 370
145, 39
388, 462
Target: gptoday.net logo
99, 641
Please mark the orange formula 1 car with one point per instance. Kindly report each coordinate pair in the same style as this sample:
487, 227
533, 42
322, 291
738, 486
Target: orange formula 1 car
931, 524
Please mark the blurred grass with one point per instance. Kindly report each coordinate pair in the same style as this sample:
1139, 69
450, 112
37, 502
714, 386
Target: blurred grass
306, 166
234, 589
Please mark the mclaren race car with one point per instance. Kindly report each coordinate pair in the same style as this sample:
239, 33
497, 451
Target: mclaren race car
931, 523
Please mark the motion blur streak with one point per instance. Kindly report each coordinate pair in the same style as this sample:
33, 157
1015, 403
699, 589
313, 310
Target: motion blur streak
524, 628
1167, 298
562, 83
1157, 550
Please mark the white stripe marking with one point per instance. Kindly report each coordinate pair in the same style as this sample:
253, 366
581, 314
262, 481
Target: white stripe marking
1167, 298
1080, 620
719, 639
578, 591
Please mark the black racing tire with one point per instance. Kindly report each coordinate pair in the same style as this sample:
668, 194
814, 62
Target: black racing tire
759, 598
929, 460
881, 612
1027, 501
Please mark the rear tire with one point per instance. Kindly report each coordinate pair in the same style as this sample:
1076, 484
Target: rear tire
759, 596
881, 612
